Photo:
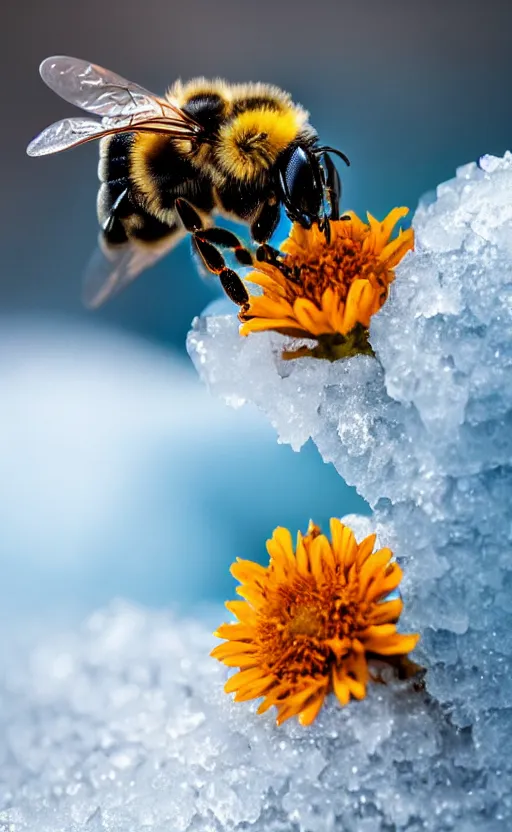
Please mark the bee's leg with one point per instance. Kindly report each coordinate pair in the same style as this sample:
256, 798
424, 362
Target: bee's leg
226, 239
215, 263
262, 229
268, 254
332, 183
333, 186
205, 242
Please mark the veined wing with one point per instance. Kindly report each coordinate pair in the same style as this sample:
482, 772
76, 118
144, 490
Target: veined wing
63, 134
71, 132
123, 107
104, 93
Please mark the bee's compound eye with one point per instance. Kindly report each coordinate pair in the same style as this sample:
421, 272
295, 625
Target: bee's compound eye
300, 183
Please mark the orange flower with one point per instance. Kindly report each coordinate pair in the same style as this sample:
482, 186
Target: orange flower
315, 621
328, 290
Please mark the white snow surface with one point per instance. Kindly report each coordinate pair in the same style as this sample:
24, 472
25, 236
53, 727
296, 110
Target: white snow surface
424, 432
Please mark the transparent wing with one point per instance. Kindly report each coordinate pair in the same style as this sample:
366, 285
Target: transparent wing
71, 132
123, 106
63, 134
112, 268
99, 91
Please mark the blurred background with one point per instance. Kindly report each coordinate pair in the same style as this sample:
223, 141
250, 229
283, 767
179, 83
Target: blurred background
119, 475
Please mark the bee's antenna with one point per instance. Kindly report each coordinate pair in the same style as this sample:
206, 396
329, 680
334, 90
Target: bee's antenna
326, 149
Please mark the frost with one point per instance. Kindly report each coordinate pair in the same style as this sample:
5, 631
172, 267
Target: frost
425, 434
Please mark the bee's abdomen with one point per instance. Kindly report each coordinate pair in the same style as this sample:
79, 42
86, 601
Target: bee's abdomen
120, 212
113, 171
141, 177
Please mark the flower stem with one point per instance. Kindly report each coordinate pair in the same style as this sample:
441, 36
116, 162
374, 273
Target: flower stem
332, 347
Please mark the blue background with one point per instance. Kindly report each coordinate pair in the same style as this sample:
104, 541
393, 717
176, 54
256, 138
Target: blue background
109, 486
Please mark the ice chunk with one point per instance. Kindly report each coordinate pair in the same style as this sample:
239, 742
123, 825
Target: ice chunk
424, 432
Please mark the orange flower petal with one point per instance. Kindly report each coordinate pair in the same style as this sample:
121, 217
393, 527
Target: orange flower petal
372, 568
397, 249
394, 645
340, 687
385, 584
246, 571
232, 648
309, 317
263, 306
301, 556
236, 632
343, 543
352, 305
310, 713
279, 324
365, 548
391, 220
357, 689
317, 551
243, 677
387, 611
253, 690
280, 547
242, 611
251, 594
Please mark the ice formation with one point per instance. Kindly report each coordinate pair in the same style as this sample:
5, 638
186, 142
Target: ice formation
425, 434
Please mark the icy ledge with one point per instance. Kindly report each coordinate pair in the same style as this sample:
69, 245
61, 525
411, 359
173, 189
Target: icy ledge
425, 434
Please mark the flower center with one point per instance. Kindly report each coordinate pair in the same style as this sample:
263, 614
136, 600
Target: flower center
306, 627
336, 266
306, 622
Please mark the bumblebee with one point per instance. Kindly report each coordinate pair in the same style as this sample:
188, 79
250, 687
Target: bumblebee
168, 165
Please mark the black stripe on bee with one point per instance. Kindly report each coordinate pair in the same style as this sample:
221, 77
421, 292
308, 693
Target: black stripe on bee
258, 102
207, 108
115, 163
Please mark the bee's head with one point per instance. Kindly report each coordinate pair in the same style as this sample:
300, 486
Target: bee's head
307, 178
